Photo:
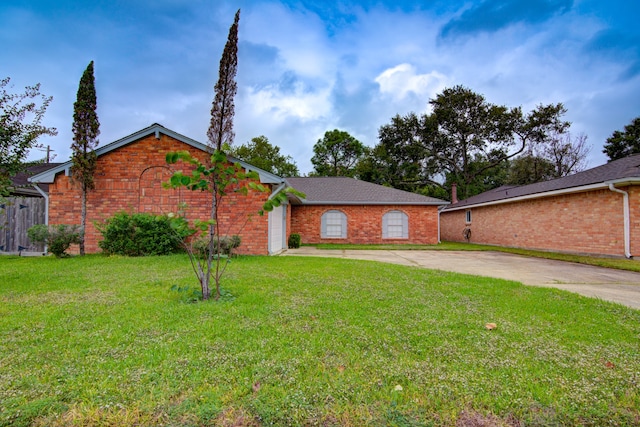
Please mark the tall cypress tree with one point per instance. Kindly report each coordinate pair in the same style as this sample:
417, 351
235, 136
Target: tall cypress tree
86, 129
223, 108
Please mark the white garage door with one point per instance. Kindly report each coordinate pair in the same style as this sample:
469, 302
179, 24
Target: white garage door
276, 229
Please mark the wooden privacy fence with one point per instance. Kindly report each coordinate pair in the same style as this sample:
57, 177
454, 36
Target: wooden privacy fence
17, 214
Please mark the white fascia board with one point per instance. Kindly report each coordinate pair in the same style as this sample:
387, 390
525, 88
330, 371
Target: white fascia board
265, 177
49, 176
378, 203
582, 189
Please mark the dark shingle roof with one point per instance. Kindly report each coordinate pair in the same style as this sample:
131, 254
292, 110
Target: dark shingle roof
616, 171
350, 191
20, 182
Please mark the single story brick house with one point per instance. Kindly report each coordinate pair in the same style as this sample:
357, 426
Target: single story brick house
130, 173
596, 211
346, 210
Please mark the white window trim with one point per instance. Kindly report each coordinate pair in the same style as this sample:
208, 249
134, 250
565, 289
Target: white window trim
404, 223
324, 225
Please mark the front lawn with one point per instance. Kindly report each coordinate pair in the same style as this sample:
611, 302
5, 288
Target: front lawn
99, 341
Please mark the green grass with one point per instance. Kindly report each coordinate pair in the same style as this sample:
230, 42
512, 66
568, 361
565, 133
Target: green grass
608, 262
97, 341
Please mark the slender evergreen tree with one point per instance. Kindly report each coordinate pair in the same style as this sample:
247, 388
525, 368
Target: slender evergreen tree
86, 129
223, 108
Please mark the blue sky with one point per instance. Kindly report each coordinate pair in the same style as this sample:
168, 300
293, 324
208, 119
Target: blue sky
306, 67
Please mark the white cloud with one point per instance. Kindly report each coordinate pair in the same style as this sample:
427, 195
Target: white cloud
298, 103
403, 79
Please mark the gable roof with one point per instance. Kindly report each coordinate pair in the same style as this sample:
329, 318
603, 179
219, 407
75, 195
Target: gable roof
618, 172
350, 191
48, 176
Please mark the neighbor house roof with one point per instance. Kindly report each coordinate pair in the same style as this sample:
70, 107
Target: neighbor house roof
618, 172
350, 191
155, 129
20, 184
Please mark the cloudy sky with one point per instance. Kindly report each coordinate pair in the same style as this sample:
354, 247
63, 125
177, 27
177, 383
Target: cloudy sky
306, 67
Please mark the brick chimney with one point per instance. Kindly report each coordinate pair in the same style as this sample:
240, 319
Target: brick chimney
454, 193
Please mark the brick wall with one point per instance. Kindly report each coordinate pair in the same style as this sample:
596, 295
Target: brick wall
130, 178
364, 224
589, 222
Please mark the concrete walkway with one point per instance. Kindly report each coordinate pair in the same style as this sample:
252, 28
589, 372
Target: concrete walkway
618, 286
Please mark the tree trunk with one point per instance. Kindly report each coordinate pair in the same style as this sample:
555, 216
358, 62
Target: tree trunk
83, 217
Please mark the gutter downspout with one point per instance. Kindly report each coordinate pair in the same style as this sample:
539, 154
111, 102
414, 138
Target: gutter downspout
46, 210
627, 221
439, 210
277, 190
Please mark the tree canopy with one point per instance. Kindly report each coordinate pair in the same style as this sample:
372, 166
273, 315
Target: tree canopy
465, 139
337, 154
21, 116
260, 153
625, 143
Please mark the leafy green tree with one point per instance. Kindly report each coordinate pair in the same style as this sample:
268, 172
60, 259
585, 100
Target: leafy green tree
86, 129
623, 144
469, 127
219, 179
337, 154
260, 153
21, 116
529, 169
465, 139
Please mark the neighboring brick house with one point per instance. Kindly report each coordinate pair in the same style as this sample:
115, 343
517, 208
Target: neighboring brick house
592, 212
23, 208
130, 173
346, 210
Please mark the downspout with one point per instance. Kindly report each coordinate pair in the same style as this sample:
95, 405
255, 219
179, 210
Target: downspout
439, 210
627, 221
46, 209
277, 190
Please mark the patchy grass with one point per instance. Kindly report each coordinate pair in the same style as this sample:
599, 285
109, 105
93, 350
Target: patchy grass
608, 262
97, 341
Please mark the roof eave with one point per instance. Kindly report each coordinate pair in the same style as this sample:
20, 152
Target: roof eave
49, 176
369, 203
581, 189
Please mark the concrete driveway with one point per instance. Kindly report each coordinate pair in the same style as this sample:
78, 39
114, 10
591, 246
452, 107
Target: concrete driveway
618, 286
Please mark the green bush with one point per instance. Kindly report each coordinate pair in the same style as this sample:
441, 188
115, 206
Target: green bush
227, 245
294, 241
58, 238
138, 234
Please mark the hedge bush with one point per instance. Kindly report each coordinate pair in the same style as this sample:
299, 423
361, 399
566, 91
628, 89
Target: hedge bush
294, 241
58, 238
138, 234
227, 245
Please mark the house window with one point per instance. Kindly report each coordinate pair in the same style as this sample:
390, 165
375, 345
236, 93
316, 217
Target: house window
468, 216
395, 225
334, 225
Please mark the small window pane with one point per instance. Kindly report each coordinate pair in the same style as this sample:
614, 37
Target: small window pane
334, 225
395, 225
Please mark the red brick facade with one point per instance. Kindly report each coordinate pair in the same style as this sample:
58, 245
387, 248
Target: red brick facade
589, 222
130, 179
364, 223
